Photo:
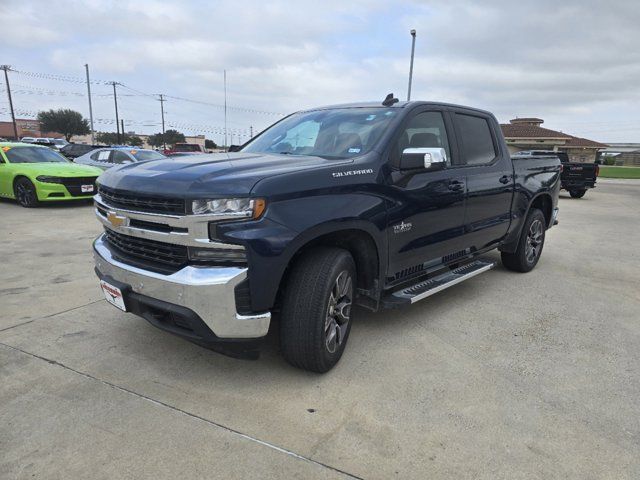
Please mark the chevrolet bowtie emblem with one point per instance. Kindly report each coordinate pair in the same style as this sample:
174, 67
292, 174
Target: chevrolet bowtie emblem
116, 220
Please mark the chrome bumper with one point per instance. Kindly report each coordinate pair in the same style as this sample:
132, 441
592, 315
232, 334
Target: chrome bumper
208, 291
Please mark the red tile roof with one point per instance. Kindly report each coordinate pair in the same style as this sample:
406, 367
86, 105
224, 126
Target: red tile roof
584, 142
515, 130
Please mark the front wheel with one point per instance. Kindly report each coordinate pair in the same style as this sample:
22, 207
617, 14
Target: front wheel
526, 256
577, 193
25, 193
316, 310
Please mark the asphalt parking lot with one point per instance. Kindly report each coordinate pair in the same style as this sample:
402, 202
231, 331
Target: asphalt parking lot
503, 376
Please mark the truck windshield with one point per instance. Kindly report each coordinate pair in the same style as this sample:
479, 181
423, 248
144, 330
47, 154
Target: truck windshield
33, 155
337, 133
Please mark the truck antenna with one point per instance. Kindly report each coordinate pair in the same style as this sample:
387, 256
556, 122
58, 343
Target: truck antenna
389, 100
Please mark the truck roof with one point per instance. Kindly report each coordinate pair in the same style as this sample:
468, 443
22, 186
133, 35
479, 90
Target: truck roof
400, 104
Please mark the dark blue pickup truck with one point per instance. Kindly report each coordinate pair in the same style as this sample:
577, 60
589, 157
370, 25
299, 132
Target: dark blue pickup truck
375, 204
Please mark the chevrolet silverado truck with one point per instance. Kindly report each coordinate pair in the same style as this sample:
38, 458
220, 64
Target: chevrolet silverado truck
378, 205
575, 178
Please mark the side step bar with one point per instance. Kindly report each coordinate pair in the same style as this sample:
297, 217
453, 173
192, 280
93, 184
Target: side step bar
425, 289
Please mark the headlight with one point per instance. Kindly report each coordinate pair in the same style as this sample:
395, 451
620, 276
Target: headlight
230, 207
47, 179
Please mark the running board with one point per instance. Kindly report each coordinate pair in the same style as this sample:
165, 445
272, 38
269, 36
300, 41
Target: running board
425, 289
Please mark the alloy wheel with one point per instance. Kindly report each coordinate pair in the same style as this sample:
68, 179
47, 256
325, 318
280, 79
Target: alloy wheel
535, 237
25, 194
338, 311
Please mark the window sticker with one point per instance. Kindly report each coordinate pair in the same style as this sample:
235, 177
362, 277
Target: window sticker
6, 149
354, 150
104, 155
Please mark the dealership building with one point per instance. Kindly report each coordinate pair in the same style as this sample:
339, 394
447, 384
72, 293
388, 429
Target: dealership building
528, 134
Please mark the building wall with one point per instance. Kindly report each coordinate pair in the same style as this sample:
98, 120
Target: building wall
26, 128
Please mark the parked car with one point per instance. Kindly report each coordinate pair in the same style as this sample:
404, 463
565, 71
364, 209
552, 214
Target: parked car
32, 174
75, 150
105, 158
28, 139
576, 178
59, 143
185, 148
379, 205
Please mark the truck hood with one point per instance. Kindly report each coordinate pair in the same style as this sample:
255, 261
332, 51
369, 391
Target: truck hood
199, 176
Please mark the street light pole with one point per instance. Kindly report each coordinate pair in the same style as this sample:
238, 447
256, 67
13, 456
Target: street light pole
6, 68
93, 140
413, 49
225, 111
164, 143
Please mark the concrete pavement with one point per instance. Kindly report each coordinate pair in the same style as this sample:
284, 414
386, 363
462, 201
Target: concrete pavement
503, 376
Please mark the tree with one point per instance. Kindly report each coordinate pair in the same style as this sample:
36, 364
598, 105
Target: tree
108, 138
134, 140
111, 138
64, 121
210, 144
171, 137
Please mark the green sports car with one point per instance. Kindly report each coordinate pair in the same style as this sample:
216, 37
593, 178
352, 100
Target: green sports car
32, 174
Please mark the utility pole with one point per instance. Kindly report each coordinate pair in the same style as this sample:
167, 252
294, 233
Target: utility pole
225, 110
115, 99
164, 143
122, 129
6, 68
413, 49
93, 140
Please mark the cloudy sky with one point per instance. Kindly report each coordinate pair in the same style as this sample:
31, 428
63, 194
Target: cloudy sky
574, 63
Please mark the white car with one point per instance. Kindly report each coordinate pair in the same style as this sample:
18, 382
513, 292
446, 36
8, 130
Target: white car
106, 158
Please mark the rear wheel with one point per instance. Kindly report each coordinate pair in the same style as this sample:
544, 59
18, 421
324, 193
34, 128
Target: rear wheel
25, 193
316, 310
526, 256
577, 193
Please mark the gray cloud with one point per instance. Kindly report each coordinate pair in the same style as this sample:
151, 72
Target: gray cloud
574, 63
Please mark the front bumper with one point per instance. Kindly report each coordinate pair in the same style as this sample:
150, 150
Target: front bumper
56, 192
207, 292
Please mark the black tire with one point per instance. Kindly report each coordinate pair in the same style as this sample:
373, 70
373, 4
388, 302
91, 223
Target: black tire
25, 193
577, 193
526, 256
315, 321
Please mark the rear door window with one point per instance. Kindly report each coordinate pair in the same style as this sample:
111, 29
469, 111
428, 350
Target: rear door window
477, 142
101, 156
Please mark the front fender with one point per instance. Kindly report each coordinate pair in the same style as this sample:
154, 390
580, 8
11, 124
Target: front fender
289, 225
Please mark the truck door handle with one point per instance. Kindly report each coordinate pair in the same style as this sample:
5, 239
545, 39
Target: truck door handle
504, 179
455, 185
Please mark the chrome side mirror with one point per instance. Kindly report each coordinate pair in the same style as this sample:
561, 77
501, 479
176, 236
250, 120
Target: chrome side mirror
426, 158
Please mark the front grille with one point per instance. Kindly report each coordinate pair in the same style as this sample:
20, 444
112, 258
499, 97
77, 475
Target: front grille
141, 203
74, 185
151, 254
